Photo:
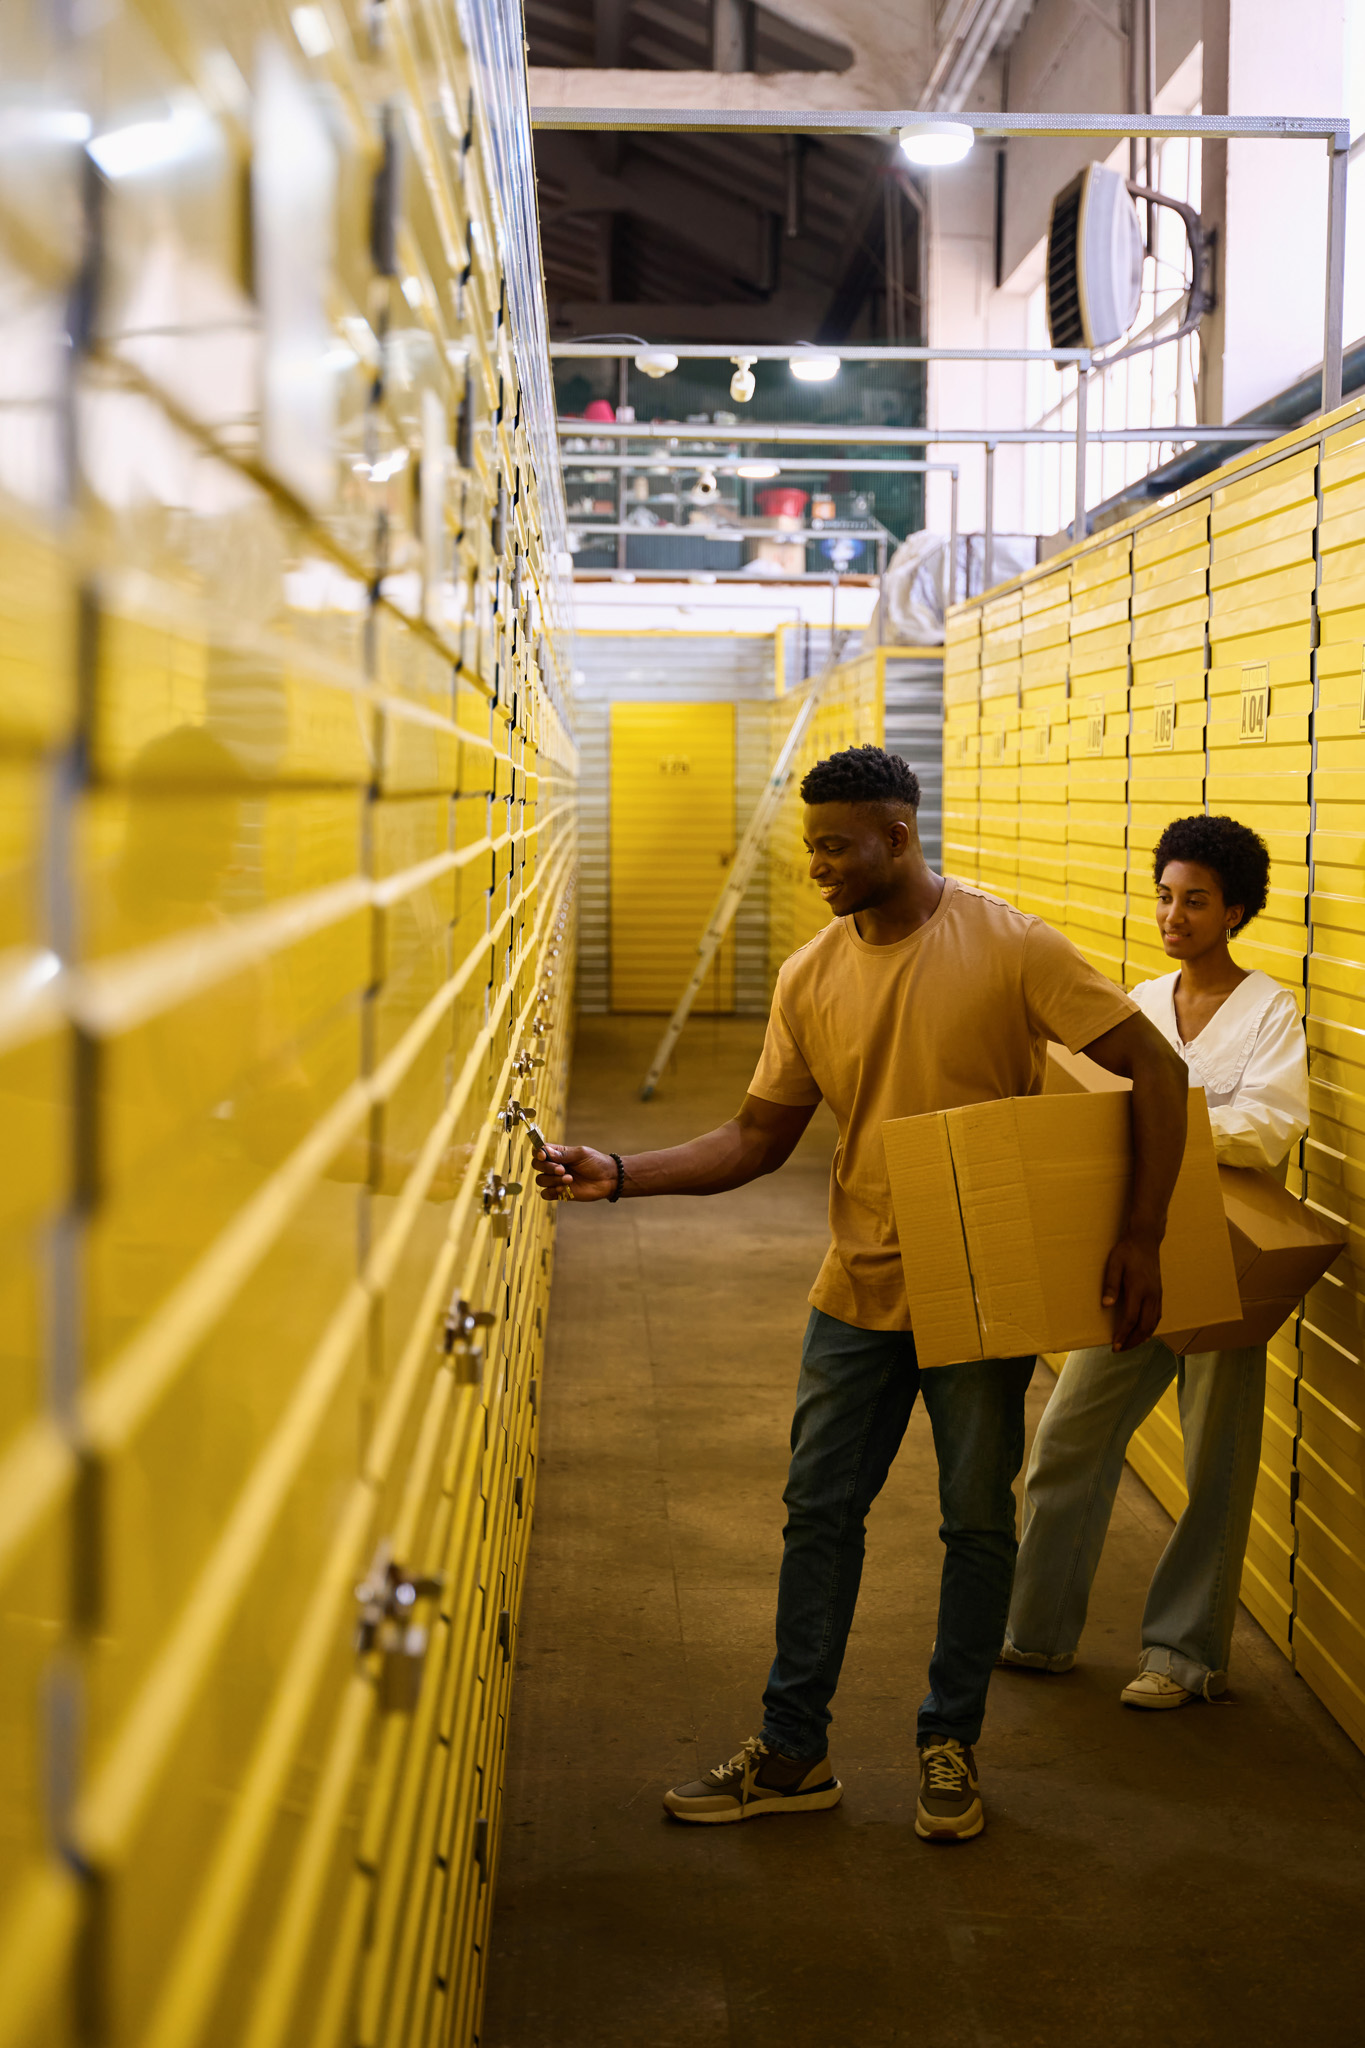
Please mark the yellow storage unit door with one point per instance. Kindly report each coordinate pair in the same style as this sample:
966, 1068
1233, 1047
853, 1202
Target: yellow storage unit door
672, 839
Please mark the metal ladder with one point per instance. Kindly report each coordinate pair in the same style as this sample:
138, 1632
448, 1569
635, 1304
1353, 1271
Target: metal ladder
740, 875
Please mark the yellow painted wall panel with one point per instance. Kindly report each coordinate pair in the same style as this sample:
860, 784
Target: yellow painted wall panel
311, 891
673, 835
1130, 768
38, 633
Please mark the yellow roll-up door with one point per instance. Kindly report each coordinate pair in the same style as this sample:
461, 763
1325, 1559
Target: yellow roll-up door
672, 839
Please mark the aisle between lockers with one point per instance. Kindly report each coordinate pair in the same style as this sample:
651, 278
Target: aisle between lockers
1199, 1875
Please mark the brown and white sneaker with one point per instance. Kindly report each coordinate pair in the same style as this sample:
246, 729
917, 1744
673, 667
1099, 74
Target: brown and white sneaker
949, 1808
758, 1779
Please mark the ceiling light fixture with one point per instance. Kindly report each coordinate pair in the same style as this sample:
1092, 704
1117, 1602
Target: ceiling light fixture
814, 368
742, 385
758, 472
937, 142
656, 362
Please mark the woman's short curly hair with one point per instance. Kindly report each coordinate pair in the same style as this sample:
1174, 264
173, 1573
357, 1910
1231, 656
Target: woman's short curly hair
1237, 855
862, 775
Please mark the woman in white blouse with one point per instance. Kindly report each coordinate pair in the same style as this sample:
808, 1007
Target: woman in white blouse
1240, 1035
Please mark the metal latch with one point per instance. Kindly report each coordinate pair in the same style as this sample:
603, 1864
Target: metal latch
526, 1062
458, 1339
513, 1113
497, 1193
388, 1599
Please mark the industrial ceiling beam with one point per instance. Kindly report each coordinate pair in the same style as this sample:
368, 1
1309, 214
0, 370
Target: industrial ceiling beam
897, 437
847, 351
889, 124
652, 192
1329, 129
724, 465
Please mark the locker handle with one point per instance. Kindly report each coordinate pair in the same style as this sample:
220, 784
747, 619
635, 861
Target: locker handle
388, 1600
497, 1194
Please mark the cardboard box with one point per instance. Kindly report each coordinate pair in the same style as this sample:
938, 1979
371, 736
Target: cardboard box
1007, 1212
1280, 1248
1074, 1073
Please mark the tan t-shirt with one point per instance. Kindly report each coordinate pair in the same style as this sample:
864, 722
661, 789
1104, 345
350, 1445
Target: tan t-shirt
959, 1012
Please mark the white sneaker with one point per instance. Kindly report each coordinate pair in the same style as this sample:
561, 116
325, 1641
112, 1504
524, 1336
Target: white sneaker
1154, 1689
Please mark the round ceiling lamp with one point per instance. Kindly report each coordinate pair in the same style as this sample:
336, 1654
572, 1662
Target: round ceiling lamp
656, 362
935, 143
810, 367
758, 472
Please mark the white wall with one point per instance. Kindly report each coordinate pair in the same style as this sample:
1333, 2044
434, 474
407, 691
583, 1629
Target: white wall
1273, 57
965, 311
1268, 199
1066, 60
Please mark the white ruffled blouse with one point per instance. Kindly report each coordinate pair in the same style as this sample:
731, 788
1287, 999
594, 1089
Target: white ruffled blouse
1252, 1063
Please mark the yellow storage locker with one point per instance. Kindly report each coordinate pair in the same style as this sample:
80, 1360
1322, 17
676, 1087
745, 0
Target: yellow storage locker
318, 959
961, 743
40, 1899
673, 836
1329, 1572
1262, 579
1097, 737
1043, 694
1275, 735
1166, 746
1002, 621
852, 713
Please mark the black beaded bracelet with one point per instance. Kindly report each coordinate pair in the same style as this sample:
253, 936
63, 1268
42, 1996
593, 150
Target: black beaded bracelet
615, 1195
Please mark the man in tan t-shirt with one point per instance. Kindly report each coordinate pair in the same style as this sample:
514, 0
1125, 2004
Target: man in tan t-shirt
921, 994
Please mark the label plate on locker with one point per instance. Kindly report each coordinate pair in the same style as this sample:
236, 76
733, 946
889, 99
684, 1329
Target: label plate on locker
1255, 717
1094, 726
1163, 719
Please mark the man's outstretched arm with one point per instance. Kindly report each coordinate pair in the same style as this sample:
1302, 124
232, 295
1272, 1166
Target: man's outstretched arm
1161, 1094
759, 1139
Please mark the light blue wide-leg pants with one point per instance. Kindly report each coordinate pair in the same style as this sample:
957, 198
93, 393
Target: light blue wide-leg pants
1101, 1397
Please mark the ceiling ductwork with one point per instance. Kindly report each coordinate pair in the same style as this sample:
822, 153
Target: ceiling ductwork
971, 32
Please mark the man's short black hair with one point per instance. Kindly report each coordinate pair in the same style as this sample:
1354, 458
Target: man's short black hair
1237, 855
862, 775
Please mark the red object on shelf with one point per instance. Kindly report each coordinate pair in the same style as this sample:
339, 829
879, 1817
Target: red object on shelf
784, 502
600, 409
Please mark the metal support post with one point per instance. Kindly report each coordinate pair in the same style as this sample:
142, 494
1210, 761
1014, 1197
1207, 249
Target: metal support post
1334, 312
1082, 397
950, 588
988, 538
622, 399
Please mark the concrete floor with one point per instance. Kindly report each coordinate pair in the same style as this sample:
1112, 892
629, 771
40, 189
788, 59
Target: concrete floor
1195, 1877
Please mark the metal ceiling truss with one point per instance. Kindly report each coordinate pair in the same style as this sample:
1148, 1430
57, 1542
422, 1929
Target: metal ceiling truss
891, 125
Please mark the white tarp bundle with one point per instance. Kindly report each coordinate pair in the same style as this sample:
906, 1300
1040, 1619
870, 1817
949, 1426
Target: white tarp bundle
916, 582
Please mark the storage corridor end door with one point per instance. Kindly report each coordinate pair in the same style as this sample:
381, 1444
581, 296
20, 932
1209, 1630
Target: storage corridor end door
672, 840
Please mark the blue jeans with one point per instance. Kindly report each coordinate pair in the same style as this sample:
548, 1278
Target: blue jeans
1100, 1399
853, 1401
